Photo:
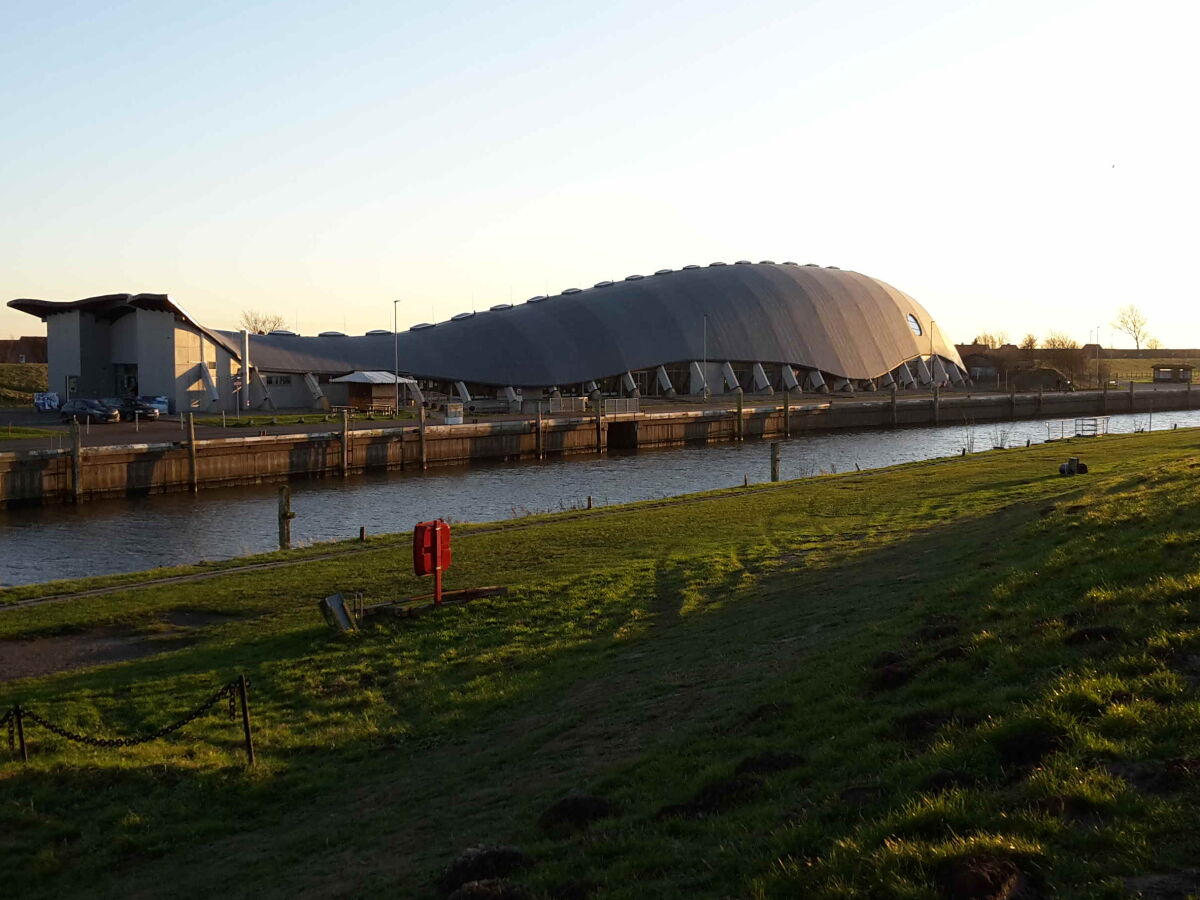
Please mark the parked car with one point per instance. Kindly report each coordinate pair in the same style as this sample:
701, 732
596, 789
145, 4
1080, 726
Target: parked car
127, 406
89, 411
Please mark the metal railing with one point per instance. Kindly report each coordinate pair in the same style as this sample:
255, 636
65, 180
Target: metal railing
568, 404
619, 405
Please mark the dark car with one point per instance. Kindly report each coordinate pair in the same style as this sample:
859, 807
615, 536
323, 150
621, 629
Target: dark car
131, 405
89, 411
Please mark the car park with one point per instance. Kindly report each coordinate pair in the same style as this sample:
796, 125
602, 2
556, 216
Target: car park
89, 411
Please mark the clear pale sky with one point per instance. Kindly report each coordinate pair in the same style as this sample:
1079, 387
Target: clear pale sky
1017, 166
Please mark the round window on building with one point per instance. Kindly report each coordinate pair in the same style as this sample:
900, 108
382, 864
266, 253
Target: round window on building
914, 325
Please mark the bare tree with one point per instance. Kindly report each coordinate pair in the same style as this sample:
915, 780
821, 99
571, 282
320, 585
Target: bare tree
1132, 321
991, 341
1056, 340
260, 323
1153, 344
1029, 342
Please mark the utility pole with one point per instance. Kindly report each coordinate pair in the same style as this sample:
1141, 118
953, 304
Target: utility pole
396, 348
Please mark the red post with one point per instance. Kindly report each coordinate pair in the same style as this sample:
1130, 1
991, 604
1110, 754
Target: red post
437, 562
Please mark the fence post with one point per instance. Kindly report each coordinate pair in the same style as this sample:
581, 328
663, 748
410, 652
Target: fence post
242, 696
20, 719
76, 462
192, 474
775, 461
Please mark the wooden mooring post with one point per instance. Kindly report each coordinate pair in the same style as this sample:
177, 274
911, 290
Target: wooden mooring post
285, 517
787, 413
775, 461
895, 409
599, 428
540, 439
421, 437
345, 442
76, 463
739, 428
1012, 402
193, 477
937, 404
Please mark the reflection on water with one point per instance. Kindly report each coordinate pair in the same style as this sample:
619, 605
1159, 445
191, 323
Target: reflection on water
44, 543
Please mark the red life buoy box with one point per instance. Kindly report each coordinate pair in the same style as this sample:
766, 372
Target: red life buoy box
431, 547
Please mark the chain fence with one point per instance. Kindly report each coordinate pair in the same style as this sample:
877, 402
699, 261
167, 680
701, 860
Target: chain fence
236, 693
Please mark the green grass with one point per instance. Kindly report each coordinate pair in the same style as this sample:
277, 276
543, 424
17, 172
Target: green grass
19, 382
14, 433
641, 654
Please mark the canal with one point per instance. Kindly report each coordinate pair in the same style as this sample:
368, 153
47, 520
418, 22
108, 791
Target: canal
49, 542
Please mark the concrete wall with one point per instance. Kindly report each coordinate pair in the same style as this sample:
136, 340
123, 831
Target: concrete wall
95, 357
62, 352
156, 353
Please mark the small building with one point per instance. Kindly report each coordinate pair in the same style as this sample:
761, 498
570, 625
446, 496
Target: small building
1173, 374
371, 390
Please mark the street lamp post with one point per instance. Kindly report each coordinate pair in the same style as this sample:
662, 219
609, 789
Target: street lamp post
396, 348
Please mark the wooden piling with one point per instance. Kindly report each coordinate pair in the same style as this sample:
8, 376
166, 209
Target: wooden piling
193, 477
540, 439
895, 409
1012, 403
739, 429
599, 428
937, 404
787, 413
775, 461
285, 517
76, 462
421, 437
345, 442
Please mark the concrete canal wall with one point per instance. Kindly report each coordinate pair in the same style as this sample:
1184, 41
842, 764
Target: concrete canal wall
66, 475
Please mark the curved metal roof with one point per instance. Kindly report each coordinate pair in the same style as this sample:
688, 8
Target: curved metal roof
840, 322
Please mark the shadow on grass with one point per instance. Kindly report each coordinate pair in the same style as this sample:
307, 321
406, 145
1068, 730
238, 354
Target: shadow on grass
588, 704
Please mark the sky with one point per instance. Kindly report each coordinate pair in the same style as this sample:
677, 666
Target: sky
1015, 166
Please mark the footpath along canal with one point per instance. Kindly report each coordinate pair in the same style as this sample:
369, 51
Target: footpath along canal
44, 543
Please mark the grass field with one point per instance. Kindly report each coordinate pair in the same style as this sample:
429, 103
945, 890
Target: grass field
883, 684
19, 382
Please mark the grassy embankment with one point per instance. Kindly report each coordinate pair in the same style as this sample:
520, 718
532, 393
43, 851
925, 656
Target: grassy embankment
970, 659
18, 383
